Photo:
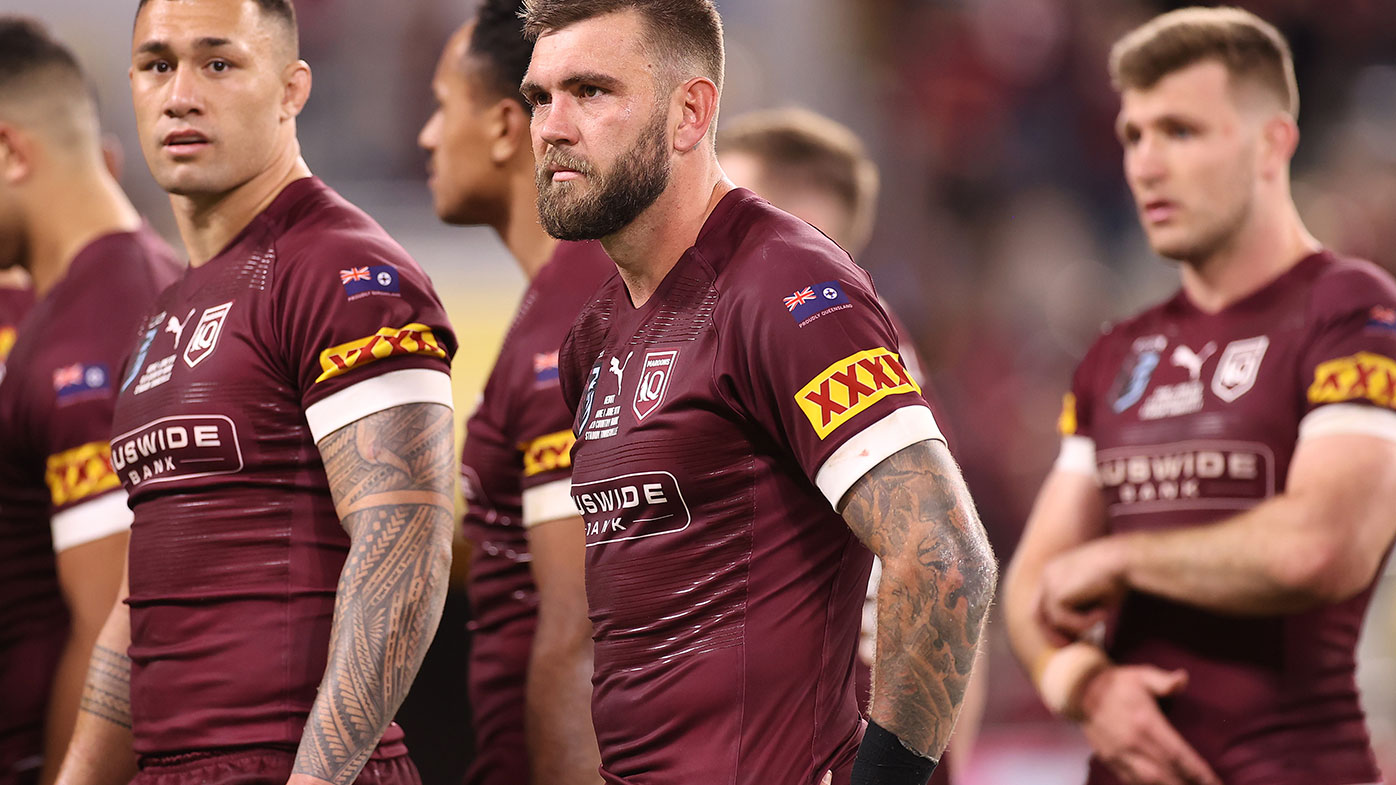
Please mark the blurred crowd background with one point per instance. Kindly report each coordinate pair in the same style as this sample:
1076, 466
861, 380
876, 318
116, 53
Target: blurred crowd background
1005, 236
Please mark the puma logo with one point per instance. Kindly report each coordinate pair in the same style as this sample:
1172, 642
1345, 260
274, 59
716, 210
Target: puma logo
177, 327
1183, 357
618, 368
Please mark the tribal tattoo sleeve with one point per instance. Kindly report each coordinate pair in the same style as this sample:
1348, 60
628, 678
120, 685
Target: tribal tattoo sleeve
391, 475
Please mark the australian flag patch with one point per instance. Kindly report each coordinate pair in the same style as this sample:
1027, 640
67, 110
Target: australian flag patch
77, 382
812, 302
364, 281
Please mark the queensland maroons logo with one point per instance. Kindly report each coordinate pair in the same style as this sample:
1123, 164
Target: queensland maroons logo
206, 333
654, 381
1238, 368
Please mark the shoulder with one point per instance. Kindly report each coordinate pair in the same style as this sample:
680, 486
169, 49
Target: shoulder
767, 261
1342, 285
1141, 334
318, 233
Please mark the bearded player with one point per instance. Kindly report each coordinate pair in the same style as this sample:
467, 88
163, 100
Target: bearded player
741, 425
94, 268
1222, 503
284, 435
531, 639
816, 169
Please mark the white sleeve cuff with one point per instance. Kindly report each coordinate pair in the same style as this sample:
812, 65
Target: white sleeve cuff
871, 446
92, 520
548, 502
376, 394
1077, 456
1348, 418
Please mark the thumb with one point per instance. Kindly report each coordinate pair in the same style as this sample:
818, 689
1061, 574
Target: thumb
1161, 682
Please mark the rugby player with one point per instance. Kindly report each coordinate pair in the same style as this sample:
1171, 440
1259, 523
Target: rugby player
530, 628
1222, 502
16, 298
741, 425
95, 268
284, 434
816, 169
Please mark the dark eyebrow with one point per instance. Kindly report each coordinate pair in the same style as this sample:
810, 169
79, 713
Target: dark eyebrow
596, 78
207, 42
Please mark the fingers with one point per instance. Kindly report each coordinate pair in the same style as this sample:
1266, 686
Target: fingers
1161, 682
1068, 622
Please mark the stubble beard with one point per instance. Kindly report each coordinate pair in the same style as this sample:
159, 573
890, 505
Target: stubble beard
638, 178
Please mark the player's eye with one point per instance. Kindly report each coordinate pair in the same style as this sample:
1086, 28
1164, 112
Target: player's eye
220, 66
540, 99
589, 91
158, 66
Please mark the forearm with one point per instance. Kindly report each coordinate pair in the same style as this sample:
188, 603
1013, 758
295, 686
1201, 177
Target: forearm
387, 607
69, 681
99, 752
561, 740
390, 474
938, 577
1259, 562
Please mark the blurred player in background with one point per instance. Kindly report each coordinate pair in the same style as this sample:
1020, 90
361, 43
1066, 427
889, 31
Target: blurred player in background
817, 169
95, 270
734, 392
530, 629
16, 298
284, 432
1223, 500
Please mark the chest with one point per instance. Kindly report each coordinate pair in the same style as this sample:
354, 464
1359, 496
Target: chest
1197, 419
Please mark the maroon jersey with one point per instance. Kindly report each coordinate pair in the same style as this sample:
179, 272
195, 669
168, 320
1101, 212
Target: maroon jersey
57, 488
1186, 418
515, 470
310, 319
718, 425
15, 302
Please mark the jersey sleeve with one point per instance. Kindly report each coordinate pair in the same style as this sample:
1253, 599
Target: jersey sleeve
1348, 369
545, 441
87, 501
362, 331
812, 359
1075, 422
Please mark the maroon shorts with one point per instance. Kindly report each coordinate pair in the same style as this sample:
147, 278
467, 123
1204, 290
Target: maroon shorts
259, 767
498, 672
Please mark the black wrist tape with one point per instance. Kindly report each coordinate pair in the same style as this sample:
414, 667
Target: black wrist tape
884, 760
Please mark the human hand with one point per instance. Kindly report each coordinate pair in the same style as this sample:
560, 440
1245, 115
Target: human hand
1079, 588
1119, 713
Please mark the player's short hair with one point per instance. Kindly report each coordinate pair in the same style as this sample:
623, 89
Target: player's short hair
281, 10
40, 79
801, 149
1250, 48
499, 48
686, 34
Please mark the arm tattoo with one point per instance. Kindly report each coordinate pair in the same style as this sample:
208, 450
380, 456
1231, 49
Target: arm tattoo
107, 693
938, 579
391, 476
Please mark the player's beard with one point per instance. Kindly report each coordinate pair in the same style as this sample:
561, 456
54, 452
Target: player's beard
615, 198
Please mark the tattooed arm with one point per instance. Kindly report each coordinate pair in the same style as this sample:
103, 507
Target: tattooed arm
938, 576
100, 750
390, 474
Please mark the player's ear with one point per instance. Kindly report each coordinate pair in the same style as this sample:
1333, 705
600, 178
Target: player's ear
297, 89
508, 131
1279, 140
697, 100
16, 155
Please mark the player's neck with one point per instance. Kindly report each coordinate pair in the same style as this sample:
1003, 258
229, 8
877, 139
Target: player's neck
1262, 251
647, 249
80, 207
520, 231
208, 223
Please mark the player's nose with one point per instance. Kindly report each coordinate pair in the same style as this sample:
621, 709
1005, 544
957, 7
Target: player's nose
556, 125
430, 133
183, 97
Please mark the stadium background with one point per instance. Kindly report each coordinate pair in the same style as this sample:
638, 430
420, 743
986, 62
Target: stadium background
1005, 234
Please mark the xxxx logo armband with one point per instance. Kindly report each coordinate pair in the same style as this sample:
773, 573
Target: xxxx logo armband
851, 386
387, 342
74, 475
1362, 376
546, 453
